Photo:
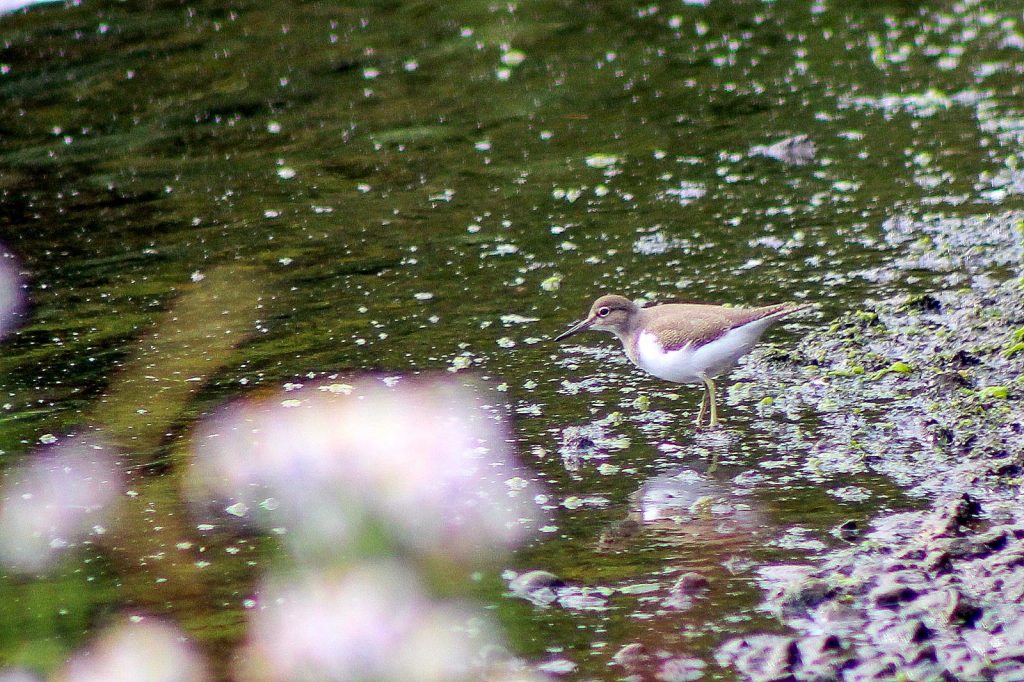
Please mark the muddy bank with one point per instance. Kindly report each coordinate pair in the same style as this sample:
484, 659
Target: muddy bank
927, 390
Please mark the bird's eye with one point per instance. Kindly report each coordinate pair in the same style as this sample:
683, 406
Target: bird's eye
603, 311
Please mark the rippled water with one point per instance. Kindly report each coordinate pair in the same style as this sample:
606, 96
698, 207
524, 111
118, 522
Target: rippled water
406, 187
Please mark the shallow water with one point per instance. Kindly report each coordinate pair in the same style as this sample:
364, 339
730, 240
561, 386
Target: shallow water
376, 186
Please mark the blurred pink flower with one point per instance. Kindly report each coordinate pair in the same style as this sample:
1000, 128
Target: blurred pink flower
371, 623
53, 501
424, 456
142, 651
12, 298
18, 675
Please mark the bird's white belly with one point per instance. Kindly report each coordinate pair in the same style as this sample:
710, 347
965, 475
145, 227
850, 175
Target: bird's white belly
687, 365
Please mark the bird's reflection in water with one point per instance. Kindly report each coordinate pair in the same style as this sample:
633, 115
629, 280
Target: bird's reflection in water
705, 530
684, 508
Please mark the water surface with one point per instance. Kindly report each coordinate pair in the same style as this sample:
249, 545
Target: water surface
379, 186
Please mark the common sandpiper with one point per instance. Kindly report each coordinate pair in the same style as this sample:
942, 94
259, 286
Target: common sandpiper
683, 342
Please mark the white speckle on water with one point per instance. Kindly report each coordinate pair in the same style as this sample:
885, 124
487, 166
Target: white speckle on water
602, 160
445, 195
845, 186
343, 389
460, 362
512, 318
687, 192
559, 666
513, 57
238, 509
504, 250
552, 283
642, 588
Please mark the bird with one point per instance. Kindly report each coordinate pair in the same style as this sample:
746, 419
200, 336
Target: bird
683, 342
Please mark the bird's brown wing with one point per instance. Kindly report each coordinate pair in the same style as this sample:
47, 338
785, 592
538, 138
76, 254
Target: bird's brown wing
679, 324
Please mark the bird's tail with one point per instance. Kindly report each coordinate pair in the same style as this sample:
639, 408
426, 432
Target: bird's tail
781, 310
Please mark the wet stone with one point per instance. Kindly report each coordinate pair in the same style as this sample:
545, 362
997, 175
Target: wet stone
582, 438
687, 588
994, 539
805, 595
948, 519
937, 561
633, 657
1013, 632
924, 655
897, 637
797, 150
617, 535
537, 587
914, 554
691, 582
581, 598
762, 658
681, 669
998, 617
839, 618
963, 547
948, 381
1012, 557
1010, 670
938, 607
1008, 652
872, 670
821, 655
890, 594
979, 640
963, 358
557, 666
960, 661
848, 530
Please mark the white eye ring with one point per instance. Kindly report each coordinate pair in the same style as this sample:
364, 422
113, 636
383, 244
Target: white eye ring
603, 311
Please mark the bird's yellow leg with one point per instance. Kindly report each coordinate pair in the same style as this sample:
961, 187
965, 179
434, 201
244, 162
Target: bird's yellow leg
703, 406
710, 386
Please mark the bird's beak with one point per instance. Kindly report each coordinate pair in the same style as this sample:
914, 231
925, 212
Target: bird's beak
582, 326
